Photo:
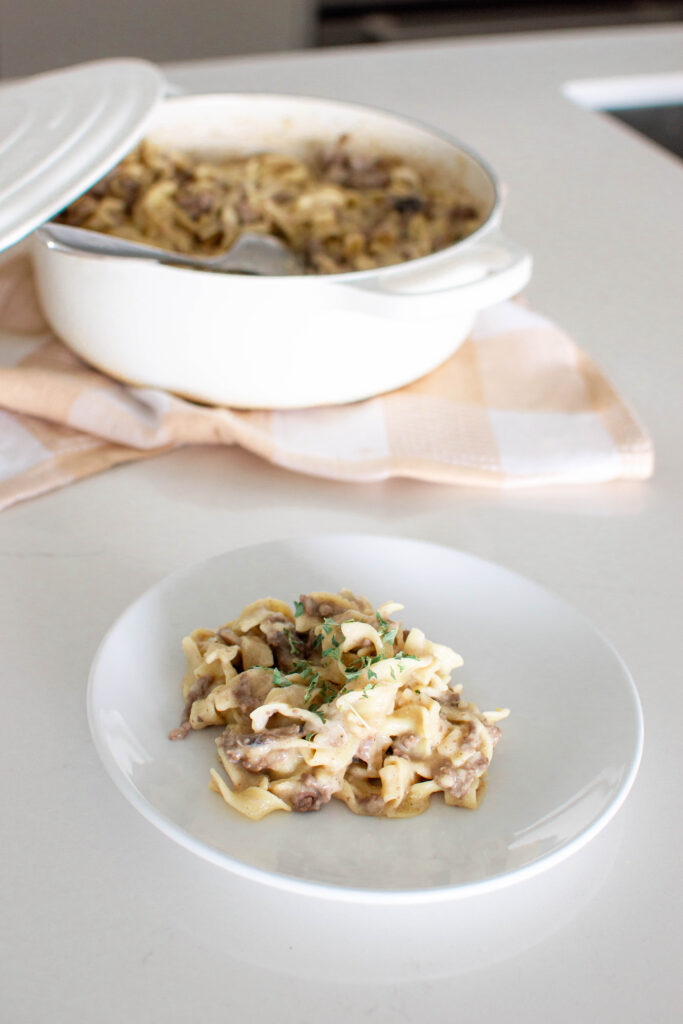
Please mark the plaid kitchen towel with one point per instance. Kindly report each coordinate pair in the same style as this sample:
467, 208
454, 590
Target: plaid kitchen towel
518, 404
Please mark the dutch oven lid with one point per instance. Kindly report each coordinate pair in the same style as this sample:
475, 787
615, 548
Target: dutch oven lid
62, 131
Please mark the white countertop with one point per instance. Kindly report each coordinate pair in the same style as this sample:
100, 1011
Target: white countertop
104, 918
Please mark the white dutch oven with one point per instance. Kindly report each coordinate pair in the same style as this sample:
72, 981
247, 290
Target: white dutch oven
282, 342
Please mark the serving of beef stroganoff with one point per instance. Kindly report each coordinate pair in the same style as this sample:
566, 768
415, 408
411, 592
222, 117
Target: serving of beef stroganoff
336, 210
334, 699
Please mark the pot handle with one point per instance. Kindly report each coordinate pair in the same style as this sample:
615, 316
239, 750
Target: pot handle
487, 272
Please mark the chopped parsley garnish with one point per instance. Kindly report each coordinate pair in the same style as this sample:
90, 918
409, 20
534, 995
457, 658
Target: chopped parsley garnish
388, 635
294, 640
309, 736
325, 692
370, 660
279, 679
333, 651
330, 643
328, 692
311, 688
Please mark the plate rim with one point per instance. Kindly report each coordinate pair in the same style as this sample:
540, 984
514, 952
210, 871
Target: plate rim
327, 890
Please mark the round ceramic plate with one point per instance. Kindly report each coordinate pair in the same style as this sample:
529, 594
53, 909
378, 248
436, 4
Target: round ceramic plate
569, 753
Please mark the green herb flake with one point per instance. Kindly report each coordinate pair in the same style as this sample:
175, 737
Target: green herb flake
333, 650
370, 660
298, 608
315, 708
294, 641
279, 679
309, 736
329, 693
390, 635
312, 686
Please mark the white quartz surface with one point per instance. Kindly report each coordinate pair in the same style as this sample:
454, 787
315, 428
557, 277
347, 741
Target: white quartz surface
105, 920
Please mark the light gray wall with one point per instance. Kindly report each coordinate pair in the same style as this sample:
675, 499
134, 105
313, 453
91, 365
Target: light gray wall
37, 35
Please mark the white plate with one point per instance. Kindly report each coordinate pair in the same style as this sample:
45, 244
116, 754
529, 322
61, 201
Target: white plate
569, 753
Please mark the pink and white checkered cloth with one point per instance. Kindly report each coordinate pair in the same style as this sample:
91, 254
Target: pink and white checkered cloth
518, 404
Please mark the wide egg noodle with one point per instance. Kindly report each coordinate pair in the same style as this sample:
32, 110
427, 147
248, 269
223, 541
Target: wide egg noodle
254, 803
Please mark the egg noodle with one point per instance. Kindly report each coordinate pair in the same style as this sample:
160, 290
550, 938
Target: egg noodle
336, 211
337, 700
